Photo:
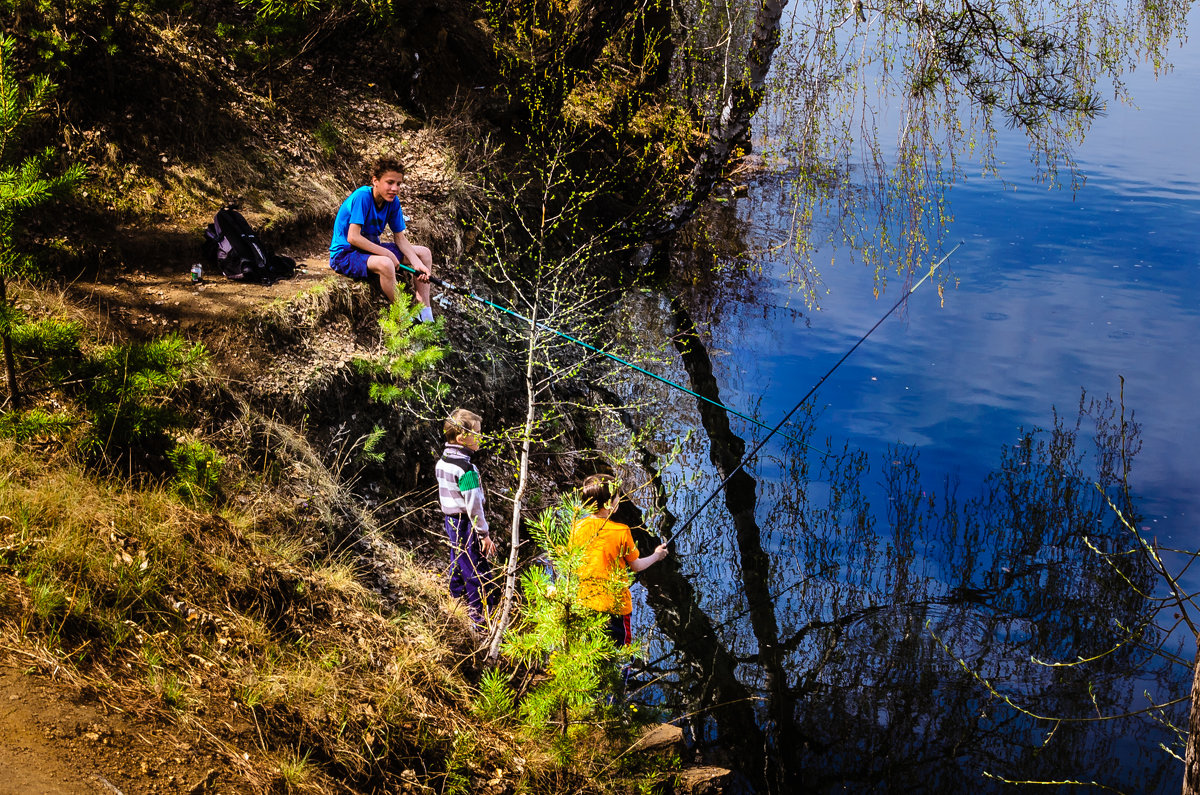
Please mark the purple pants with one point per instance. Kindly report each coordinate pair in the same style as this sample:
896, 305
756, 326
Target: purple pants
469, 569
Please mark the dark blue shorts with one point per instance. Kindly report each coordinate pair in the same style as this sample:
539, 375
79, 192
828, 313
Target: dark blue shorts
352, 262
620, 630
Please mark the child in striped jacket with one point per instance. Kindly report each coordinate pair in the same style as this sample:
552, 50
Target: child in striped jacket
460, 493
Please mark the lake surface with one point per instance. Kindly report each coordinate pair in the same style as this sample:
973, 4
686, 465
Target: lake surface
906, 573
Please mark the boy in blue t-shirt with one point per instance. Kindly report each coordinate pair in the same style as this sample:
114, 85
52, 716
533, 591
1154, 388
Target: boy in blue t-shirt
356, 251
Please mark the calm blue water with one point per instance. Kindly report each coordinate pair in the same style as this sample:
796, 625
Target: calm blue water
1057, 293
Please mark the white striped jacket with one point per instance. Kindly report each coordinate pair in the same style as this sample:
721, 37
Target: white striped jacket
460, 491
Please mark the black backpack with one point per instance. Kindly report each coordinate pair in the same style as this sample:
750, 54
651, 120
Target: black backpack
232, 247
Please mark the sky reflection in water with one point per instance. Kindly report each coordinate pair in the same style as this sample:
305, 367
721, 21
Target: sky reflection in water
1058, 293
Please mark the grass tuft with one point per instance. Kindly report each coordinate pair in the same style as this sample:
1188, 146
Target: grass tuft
294, 768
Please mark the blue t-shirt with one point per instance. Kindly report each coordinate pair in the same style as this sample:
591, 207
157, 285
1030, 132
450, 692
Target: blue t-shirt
359, 208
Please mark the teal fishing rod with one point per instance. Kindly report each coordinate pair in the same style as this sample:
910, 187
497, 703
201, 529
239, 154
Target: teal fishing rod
809, 394
467, 293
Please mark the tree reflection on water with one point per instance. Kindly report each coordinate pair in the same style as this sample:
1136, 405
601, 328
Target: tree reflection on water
824, 642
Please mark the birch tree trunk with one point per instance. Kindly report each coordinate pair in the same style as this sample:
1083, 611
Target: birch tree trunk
1191, 762
510, 579
743, 102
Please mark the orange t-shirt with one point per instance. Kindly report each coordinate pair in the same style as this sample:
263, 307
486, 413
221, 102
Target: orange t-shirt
607, 545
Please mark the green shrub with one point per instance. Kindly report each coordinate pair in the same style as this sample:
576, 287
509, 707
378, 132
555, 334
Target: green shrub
25, 426
560, 635
370, 445
47, 350
197, 471
121, 395
26, 184
411, 350
52, 342
496, 700
129, 390
328, 138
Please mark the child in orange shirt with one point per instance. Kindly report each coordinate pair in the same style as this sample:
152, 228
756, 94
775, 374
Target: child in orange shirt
609, 552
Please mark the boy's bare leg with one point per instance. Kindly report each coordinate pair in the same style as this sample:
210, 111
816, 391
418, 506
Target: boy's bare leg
387, 275
420, 288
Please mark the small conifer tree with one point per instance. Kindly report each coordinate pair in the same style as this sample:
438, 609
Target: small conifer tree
25, 184
411, 350
558, 634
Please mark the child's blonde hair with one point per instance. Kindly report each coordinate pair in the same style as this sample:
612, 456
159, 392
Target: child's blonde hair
599, 490
459, 422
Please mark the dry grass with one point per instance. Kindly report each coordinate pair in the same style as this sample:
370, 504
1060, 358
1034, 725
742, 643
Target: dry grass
286, 616
250, 623
182, 616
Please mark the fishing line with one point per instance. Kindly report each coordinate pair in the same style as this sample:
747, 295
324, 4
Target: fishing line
807, 395
464, 291
752, 453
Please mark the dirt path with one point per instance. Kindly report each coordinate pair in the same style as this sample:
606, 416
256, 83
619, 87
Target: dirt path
54, 743
162, 297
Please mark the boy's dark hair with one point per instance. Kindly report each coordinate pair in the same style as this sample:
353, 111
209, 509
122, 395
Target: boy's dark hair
386, 164
599, 490
459, 422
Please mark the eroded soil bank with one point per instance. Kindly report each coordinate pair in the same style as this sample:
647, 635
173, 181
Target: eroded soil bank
58, 742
